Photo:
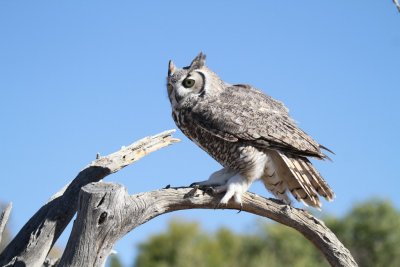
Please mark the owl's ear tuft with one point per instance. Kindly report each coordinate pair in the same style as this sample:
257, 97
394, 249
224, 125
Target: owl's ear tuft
171, 68
198, 62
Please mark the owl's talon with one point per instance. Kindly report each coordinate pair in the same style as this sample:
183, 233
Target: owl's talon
194, 184
203, 185
191, 193
209, 190
206, 190
241, 208
196, 187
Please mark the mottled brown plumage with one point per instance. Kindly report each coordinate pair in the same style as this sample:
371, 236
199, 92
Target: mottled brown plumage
248, 132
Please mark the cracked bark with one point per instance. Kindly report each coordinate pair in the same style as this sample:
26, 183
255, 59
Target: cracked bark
34, 241
106, 213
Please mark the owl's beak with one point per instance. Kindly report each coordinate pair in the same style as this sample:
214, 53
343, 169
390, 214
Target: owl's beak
171, 68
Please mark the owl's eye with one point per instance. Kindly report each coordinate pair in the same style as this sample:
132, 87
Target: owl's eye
188, 83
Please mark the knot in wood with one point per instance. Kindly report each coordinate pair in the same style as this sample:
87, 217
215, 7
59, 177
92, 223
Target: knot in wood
103, 217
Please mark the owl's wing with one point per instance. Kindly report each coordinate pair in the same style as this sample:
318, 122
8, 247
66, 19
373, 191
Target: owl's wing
242, 113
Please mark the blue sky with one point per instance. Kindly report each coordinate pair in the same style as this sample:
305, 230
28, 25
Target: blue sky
82, 77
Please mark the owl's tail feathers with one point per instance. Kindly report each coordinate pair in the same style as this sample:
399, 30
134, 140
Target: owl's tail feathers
302, 179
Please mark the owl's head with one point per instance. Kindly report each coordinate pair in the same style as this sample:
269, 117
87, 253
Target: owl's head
194, 81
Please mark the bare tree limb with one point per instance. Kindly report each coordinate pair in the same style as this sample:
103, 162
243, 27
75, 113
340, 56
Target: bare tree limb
38, 235
106, 213
396, 2
4, 218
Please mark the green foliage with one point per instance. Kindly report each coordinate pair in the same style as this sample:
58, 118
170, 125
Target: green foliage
289, 248
371, 231
185, 244
114, 261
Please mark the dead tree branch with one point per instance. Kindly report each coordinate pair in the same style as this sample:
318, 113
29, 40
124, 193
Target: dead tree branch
38, 235
106, 213
4, 218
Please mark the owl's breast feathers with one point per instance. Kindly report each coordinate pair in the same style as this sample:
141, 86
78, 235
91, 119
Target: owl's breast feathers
243, 115
226, 153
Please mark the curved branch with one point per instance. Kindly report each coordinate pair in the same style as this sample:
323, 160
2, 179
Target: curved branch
106, 213
34, 241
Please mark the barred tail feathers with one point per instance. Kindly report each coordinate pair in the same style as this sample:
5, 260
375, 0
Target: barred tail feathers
301, 178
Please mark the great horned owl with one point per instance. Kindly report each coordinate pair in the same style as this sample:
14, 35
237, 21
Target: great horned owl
249, 133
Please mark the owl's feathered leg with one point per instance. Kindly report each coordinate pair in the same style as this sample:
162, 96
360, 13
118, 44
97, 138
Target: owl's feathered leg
238, 184
273, 182
217, 178
235, 187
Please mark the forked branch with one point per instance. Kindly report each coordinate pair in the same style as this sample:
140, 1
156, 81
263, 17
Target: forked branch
34, 241
106, 212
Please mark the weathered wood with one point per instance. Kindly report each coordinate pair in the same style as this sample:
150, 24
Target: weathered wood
36, 238
50, 262
106, 213
5, 214
97, 226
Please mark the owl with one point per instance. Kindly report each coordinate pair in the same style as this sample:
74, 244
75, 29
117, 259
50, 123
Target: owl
249, 133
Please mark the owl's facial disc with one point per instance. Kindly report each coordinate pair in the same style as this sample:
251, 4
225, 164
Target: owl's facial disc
174, 78
188, 81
